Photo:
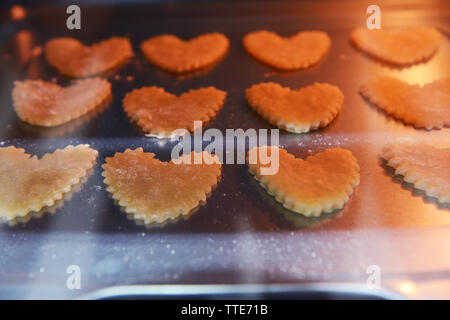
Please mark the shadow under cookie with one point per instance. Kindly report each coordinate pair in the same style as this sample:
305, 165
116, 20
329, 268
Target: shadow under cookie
398, 179
294, 219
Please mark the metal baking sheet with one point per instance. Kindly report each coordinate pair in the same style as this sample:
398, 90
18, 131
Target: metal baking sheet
241, 235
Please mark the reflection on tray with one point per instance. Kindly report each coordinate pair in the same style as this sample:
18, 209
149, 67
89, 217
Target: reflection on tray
57, 205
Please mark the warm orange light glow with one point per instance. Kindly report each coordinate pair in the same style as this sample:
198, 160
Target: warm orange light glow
37, 51
18, 12
407, 288
24, 41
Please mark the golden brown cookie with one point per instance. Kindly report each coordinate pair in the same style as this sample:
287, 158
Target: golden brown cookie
29, 184
424, 107
72, 58
321, 183
398, 46
299, 51
296, 111
155, 191
176, 55
48, 104
425, 166
160, 113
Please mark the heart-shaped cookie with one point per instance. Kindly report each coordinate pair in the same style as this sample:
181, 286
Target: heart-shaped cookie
299, 51
424, 107
48, 104
160, 113
296, 111
321, 183
155, 191
30, 184
71, 58
176, 55
398, 46
425, 166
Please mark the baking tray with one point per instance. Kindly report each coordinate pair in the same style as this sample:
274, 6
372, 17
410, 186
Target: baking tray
241, 235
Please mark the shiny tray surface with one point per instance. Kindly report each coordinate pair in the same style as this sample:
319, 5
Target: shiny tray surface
241, 234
